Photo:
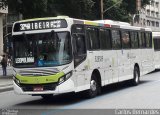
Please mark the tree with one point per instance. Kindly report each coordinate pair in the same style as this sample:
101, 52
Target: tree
28, 8
3, 4
84, 9
122, 11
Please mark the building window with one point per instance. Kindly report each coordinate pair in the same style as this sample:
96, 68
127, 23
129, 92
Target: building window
148, 23
157, 24
144, 22
152, 3
152, 13
157, 4
148, 12
153, 23
157, 14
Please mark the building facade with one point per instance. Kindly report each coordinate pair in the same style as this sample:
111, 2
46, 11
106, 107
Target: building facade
3, 10
149, 16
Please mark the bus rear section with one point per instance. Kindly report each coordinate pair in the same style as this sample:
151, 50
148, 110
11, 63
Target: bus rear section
156, 41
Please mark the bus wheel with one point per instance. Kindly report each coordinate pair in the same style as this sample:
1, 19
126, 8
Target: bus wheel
136, 76
94, 87
47, 96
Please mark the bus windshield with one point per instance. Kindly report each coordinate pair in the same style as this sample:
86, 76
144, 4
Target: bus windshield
42, 49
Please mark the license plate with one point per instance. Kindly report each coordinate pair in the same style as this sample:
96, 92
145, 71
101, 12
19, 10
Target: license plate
38, 88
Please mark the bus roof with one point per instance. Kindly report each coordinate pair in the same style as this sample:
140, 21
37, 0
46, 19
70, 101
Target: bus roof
112, 22
156, 34
46, 18
102, 23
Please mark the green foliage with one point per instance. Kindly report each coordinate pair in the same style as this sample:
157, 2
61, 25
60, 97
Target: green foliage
29, 8
3, 4
122, 11
84, 9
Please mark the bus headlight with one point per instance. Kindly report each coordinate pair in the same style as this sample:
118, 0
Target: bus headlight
16, 80
14, 72
65, 78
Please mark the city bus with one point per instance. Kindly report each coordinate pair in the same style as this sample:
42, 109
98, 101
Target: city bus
60, 54
156, 39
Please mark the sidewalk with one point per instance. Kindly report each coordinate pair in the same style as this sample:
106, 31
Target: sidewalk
6, 82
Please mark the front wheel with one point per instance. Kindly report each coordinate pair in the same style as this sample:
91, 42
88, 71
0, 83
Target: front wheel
136, 76
95, 88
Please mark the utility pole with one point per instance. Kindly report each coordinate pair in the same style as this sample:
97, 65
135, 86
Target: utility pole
101, 4
102, 9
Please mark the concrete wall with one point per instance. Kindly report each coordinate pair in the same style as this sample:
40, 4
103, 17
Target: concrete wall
1, 34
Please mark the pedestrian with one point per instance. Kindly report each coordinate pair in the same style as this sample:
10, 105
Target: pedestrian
4, 65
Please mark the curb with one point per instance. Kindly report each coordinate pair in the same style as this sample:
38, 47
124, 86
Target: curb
4, 88
6, 77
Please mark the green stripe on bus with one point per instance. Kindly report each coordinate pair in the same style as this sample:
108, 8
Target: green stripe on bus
39, 79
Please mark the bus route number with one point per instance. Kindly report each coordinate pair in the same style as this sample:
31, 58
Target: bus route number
98, 58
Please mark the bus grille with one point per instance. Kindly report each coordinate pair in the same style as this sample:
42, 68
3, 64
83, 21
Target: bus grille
46, 87
38, 72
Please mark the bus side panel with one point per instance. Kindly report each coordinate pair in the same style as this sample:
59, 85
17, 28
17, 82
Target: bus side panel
95, 59
157, 59
147, 60
135, 57
82, 75
125, 71
109, 63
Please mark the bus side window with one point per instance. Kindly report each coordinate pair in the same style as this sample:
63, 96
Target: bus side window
125, 39
148, 40
142, 40
157, 44
116, 41
105, 39
151, 42
79, 48
134, 40
93, 41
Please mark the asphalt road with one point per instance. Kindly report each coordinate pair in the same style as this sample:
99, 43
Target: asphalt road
117, 96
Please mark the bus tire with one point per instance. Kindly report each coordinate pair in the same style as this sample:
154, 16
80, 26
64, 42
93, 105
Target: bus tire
136, 76
95, 87
47, 96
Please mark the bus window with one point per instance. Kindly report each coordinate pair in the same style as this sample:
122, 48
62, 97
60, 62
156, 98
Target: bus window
142, 41
134, 40
79, 47
116, 42
76, 28
148, 40
156, 44
150, 35
125, 40
92, 38
105, 38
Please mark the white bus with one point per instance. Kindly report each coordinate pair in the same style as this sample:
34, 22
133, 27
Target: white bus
156, 39
61, 54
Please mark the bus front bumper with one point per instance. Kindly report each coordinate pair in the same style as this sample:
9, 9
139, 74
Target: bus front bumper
66, 87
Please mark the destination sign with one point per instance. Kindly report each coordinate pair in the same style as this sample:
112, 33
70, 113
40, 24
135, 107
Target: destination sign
24, 60
40, 25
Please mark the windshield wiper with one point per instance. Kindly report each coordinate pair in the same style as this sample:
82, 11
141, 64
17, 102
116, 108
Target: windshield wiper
27, 42
52, 33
